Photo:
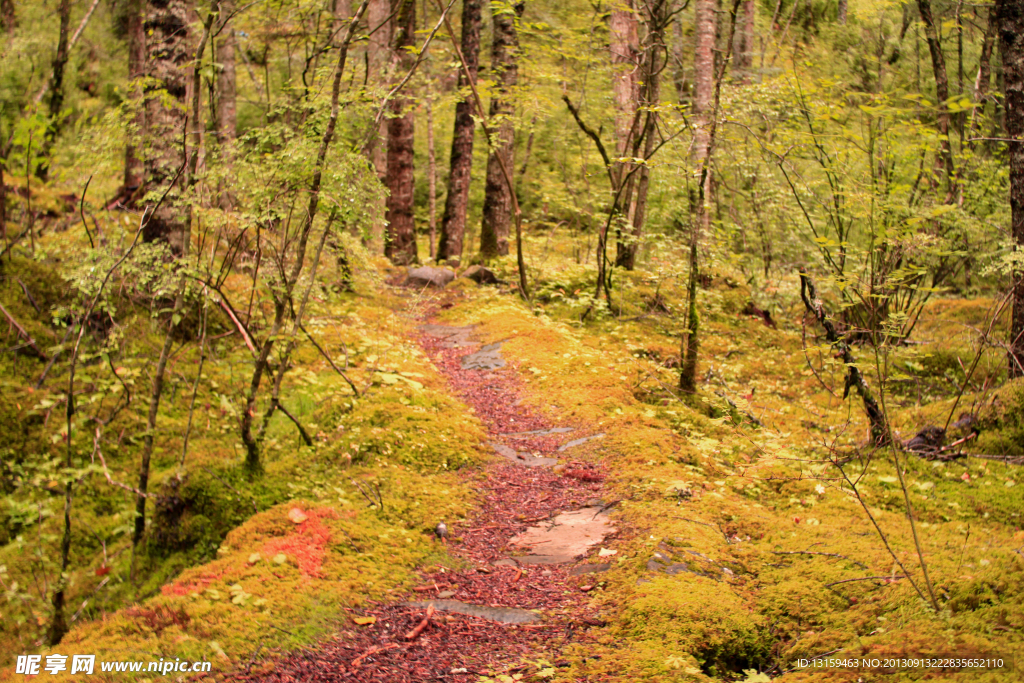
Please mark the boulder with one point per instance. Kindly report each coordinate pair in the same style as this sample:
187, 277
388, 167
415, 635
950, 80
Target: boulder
481, 275
429, 276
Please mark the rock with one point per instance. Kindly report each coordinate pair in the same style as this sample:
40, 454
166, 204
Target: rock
579, 442
454, 337
565, 537
927, 441
429, 276
525, 459
481, 275
504, 615
589, 569
487, 358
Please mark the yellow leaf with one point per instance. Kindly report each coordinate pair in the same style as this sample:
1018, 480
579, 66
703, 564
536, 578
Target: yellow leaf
364, 621
297, 516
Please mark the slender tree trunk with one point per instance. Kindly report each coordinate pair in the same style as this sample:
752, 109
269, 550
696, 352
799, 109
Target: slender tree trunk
1009, 18
625, 55
227, 112
743, 61
657, 20
431, 178
56, 103
401, 240
497, 197
842, 12
8, 17
704, 112
133, 170
982, 83
941, 83
456, 203
168, 56
253, 462
379, 65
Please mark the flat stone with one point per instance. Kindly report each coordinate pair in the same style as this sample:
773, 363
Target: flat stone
543, 432
505, 562
454, 337
565, 537
503, 615
429, 276
589, 569
487, 358
579, 442
446, 594
481, 275
525, 459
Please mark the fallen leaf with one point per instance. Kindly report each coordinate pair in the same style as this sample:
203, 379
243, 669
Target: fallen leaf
607, 552
297, 516
364, 621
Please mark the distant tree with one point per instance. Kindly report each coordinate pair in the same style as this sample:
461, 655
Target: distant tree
379, 59
1009, 17
167, 54
456, 203
400, 245
227, 112
497, 214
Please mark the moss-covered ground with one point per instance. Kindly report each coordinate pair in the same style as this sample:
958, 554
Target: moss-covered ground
743, 475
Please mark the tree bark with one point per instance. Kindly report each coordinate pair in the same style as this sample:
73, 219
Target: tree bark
379, 57
431, 179
842, 12
167, 56
941, 83
497, 215
983, 81
1009, 17
8, 17
227, 110
133, 171
400, 245
56, 103
453, 222
704, 66
743, 61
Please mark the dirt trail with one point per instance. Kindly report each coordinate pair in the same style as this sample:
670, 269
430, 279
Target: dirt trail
539, 510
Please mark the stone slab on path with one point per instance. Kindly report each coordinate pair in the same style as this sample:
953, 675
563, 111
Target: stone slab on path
487, 358
524, 459
542, 432
565, 537
580, 441
504, 615
454, 337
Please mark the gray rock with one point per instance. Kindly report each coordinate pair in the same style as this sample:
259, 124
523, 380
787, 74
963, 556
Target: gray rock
429, 276
504, 615
481, 275
487, 358
522, 458
589, 569
454, 337
579, 442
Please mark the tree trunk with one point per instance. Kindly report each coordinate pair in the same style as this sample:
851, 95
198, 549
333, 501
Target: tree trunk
227, 113
982, 83
167, 58
497, 198
842, 12
379, 57
1009, 17
743, 61
941, 83
453, 223
400, 246
133, 171
704, 81
8, 18
56, 103
431, 179
625, 57
657, 19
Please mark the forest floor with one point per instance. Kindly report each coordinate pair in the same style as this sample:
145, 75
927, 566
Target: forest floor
524, 606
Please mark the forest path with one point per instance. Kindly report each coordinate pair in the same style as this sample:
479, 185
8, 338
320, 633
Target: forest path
512, 595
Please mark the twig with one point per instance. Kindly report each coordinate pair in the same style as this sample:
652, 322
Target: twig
372, 651
423, 624
866, 578
241, 328
807, 552
23, 334
328, 359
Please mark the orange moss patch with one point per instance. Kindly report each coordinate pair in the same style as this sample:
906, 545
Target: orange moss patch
195, 586
309, 546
